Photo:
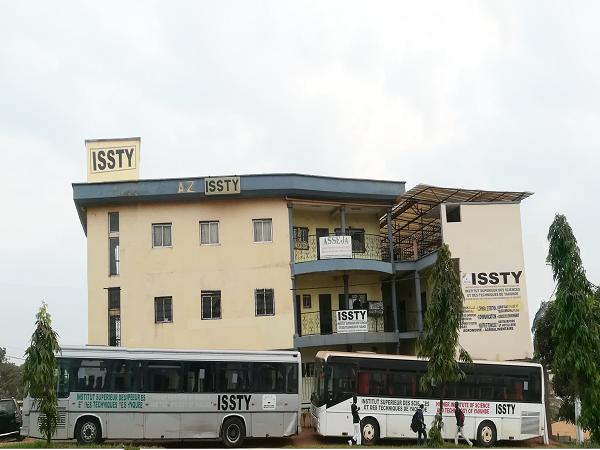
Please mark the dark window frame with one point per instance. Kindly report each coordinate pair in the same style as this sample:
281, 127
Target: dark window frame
162, 226
300, 238
265, 309
161, 301
212, 295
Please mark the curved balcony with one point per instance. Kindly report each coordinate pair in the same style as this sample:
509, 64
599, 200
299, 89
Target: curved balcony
368, 252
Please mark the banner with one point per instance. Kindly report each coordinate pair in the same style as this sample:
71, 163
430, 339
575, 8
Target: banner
335, 247
352, 321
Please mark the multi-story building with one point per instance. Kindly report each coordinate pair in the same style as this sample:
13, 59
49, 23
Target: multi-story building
277, 261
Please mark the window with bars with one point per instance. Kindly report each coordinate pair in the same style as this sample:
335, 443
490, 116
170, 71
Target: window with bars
114, 317
209, 233
161, 235
358, 238
263, 230
163, 309
211, 305
300, 238
264, 302
306, 301
113, 244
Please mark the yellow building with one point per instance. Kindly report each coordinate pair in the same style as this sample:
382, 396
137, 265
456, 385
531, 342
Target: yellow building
280, 261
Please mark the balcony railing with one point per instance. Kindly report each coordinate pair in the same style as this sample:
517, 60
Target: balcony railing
364, 246
317, 323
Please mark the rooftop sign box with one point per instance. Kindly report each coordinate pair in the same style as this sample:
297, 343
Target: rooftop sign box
113, 159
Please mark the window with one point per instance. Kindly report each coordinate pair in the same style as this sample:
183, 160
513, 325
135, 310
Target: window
114, 317
358, 238
262, 230
200, 377
452, 213
209, 233
113, 222
264, 303
306, 301
211, 304
300, 238
234, 377
89, 375
163, 309
122, 376
113, 243
163, 376
161, 235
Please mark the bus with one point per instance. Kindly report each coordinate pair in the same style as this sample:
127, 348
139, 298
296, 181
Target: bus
500, 400
140, 394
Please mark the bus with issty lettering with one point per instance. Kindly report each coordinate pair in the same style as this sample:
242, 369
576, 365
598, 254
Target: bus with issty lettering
142, 394
499, 400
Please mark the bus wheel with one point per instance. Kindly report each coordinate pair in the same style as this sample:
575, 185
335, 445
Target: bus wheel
370, 431
233, 432
486, 434
88, 431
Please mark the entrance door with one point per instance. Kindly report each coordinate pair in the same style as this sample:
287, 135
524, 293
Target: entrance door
325, 313
321, 232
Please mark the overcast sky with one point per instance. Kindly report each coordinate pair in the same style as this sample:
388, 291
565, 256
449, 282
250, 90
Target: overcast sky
492, 95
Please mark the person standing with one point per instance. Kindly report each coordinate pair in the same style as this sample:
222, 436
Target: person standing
460, 423
355, 422
418, 425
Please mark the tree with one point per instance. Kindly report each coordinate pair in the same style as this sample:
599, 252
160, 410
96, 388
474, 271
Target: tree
439, 343
39, 372
576, 326
11, 378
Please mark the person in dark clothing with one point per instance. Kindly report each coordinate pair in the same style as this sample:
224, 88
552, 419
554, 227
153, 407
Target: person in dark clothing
419, 424
355, 422
460, 423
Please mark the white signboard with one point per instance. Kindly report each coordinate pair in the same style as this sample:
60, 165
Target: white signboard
269, 401
352, 321
335, 247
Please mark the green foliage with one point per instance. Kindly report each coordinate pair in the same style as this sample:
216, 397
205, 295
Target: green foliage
436, 440
439, 343
11, 378
576, 327
40, 371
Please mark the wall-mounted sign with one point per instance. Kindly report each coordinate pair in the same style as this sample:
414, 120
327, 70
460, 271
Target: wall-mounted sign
352, 321
222, 185
335, 247
493, 301
113, 159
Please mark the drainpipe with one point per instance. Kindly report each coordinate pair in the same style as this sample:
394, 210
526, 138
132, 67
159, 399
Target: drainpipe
418, 301
295, 305
291, 227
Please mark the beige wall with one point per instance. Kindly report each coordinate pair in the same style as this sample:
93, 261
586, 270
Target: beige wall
236, 267
488, 239
316, 219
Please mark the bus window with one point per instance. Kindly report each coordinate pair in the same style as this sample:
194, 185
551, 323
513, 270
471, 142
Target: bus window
162, 376
363, 383
200, 377
402, 384
291, 378
234, 377
268, 377
343, 381
121, 376
64, 366
89, 375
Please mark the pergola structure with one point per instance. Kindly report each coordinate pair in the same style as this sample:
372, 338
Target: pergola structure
416, 226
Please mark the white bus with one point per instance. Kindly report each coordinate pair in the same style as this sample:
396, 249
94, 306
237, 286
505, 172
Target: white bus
134, 394
500, 400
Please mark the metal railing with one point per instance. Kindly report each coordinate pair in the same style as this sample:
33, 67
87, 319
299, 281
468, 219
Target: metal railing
364, 246
314, 323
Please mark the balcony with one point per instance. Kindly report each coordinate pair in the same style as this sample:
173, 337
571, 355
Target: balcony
367, 252
321, 328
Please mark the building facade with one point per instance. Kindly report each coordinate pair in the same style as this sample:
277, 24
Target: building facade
279, 261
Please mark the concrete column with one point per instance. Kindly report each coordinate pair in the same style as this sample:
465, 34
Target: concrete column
343, 219
390, 235
418, 301
291, 225
394, 305
346, 302
295, 306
